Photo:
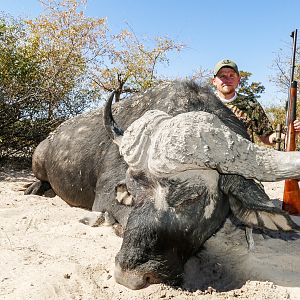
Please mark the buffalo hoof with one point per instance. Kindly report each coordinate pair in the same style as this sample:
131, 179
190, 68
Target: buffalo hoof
95, 219
118, 230
40, 188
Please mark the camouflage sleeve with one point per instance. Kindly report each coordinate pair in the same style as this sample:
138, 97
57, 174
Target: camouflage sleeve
260, 122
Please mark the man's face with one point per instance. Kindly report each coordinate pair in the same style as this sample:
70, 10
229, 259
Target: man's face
226, 81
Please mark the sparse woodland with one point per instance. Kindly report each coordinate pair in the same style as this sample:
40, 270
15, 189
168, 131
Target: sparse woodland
63, 63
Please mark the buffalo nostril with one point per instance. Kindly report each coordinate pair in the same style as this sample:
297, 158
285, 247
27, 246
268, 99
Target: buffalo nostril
149, 278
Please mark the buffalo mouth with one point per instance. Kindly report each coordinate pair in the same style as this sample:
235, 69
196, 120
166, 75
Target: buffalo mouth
133, 279
150, 272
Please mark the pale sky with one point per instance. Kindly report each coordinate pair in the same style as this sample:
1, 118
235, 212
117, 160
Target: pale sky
248, 32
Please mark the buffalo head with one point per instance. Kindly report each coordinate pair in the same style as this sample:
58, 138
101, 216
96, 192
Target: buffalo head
182, 177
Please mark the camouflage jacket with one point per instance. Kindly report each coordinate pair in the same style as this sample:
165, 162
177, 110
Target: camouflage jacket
248, 110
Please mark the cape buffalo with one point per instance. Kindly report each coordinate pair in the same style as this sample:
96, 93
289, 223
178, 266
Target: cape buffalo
181, 192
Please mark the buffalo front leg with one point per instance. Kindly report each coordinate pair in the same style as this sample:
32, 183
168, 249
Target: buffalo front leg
39, 188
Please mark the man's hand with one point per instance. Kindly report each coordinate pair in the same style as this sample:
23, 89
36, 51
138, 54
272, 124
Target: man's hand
297, 126
271, 139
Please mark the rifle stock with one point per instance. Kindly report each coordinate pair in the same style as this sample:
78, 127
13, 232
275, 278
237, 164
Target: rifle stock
291, 194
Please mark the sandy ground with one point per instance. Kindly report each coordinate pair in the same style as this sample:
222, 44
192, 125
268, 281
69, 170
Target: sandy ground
45, 253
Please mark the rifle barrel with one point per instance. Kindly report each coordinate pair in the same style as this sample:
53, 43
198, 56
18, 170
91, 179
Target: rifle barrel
294, 37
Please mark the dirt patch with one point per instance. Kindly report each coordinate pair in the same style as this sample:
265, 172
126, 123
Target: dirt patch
46, 253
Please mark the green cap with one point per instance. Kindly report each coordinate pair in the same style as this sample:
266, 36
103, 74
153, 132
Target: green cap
226, 63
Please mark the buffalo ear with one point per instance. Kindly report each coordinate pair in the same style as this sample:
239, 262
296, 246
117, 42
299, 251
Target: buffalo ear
122, 194
260, 215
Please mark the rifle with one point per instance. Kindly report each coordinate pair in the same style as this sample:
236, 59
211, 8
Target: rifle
291, 194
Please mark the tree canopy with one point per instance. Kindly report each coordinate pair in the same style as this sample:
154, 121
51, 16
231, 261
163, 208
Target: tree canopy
130, 64
62, 63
